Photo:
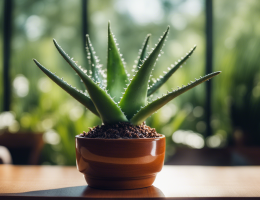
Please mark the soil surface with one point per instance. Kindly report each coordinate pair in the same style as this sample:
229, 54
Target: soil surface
121, 130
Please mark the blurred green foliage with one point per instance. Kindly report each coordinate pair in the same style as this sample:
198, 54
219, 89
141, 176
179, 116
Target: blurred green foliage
237, 94
40, 106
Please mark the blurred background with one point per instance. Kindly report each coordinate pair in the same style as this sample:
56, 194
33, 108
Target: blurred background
217, 123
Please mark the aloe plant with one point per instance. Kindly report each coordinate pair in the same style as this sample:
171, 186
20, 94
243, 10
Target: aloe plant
114, 96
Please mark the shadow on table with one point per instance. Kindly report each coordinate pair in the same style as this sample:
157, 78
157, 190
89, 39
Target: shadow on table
85, 191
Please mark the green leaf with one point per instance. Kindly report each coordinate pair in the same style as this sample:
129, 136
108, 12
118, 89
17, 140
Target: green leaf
108, 110
148, 110
79, 96
143, 52
116, 74
93, 62
174, 68
135, 95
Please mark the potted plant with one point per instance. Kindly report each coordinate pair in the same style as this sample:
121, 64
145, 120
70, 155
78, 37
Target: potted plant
122, 153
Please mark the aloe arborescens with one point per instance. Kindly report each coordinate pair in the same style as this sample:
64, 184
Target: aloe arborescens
113, 96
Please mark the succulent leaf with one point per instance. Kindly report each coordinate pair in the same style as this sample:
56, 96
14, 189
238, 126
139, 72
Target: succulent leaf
92, 62
148, 110
161, 81
135, 95
80, 97
144, 49
116, 75
108, 110
106, 89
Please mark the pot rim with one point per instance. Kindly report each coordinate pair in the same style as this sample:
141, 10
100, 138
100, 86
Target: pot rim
118, 139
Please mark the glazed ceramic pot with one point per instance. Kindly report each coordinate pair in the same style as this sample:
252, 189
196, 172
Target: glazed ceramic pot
120, 163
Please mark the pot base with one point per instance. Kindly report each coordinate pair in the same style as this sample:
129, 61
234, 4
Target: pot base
120, 183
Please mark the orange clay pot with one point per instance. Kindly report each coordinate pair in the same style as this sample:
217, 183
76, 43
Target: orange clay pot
120, 163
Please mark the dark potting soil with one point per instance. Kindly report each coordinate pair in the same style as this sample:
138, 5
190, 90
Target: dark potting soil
121, 130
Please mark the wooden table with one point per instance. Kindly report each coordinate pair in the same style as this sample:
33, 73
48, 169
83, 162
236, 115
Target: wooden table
56, 182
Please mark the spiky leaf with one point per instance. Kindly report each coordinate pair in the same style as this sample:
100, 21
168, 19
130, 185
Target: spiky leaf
136, 93
144, 50
161, 81
106, 107
80, 97
148, 110
116, 74
92, 62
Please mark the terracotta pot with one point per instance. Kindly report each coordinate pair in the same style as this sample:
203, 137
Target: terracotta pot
120, 163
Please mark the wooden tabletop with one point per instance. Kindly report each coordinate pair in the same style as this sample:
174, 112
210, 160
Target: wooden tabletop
56, 182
